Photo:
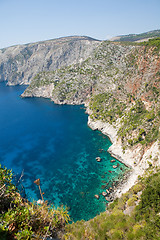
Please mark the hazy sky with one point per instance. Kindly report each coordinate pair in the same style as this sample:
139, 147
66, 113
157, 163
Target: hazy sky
24, 21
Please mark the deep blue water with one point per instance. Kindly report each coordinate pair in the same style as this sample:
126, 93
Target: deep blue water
54, 143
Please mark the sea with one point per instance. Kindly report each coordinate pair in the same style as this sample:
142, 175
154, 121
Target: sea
53, 143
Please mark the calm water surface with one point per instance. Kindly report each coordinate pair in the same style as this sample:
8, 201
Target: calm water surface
54, 143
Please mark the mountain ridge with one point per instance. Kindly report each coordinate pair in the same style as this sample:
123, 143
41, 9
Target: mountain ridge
19, 64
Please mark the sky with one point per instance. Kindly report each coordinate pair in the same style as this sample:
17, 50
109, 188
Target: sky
25, 21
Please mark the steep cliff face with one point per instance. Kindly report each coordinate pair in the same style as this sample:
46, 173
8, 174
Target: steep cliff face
20, 64
120, 84
123, 70
74, 84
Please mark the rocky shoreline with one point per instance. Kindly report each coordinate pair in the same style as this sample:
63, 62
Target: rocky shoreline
136, 159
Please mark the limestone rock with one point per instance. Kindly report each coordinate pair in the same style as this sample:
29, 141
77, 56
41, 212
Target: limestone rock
98, 159
108, 199
114, 166
96, 196
20, 64
104, 194
112, 160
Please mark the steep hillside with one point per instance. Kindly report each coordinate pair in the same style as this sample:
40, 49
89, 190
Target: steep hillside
19, 64
74, 84
124, 72
120, 85
134, 216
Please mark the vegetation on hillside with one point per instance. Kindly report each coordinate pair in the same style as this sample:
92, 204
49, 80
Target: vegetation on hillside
120, 81
134, 216
20, 219
106, 108
76, 83
139, 125
136, 99
136, 37
155, 42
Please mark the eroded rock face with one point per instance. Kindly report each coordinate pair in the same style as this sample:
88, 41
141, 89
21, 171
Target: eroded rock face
44, 91
100, 72
20, 64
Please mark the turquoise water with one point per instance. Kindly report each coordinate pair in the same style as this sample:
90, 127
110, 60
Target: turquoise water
53, 143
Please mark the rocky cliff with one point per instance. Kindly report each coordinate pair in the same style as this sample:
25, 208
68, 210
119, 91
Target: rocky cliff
120, 85
118, 82
20, 64
100, 72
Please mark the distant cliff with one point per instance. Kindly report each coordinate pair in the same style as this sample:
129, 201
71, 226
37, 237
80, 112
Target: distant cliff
20, 64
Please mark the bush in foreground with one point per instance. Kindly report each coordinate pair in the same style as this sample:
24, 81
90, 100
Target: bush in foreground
142, 223
20, 219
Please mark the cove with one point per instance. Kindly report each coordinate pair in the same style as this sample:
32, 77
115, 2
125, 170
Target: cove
51, 142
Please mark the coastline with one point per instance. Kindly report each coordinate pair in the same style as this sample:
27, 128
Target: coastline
136, 159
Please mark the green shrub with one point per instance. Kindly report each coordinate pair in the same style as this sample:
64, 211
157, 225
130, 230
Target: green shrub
137, 188
116, 225
21, 219
150, 197
131, 202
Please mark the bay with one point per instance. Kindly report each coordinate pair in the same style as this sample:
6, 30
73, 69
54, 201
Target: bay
43, 140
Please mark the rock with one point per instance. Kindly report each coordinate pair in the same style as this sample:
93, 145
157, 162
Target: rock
112, 160
30, 59
96, 196
104, 194
101, 150
114, 166
98, 159
129, 210
108, 199
107, 191
40, 201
